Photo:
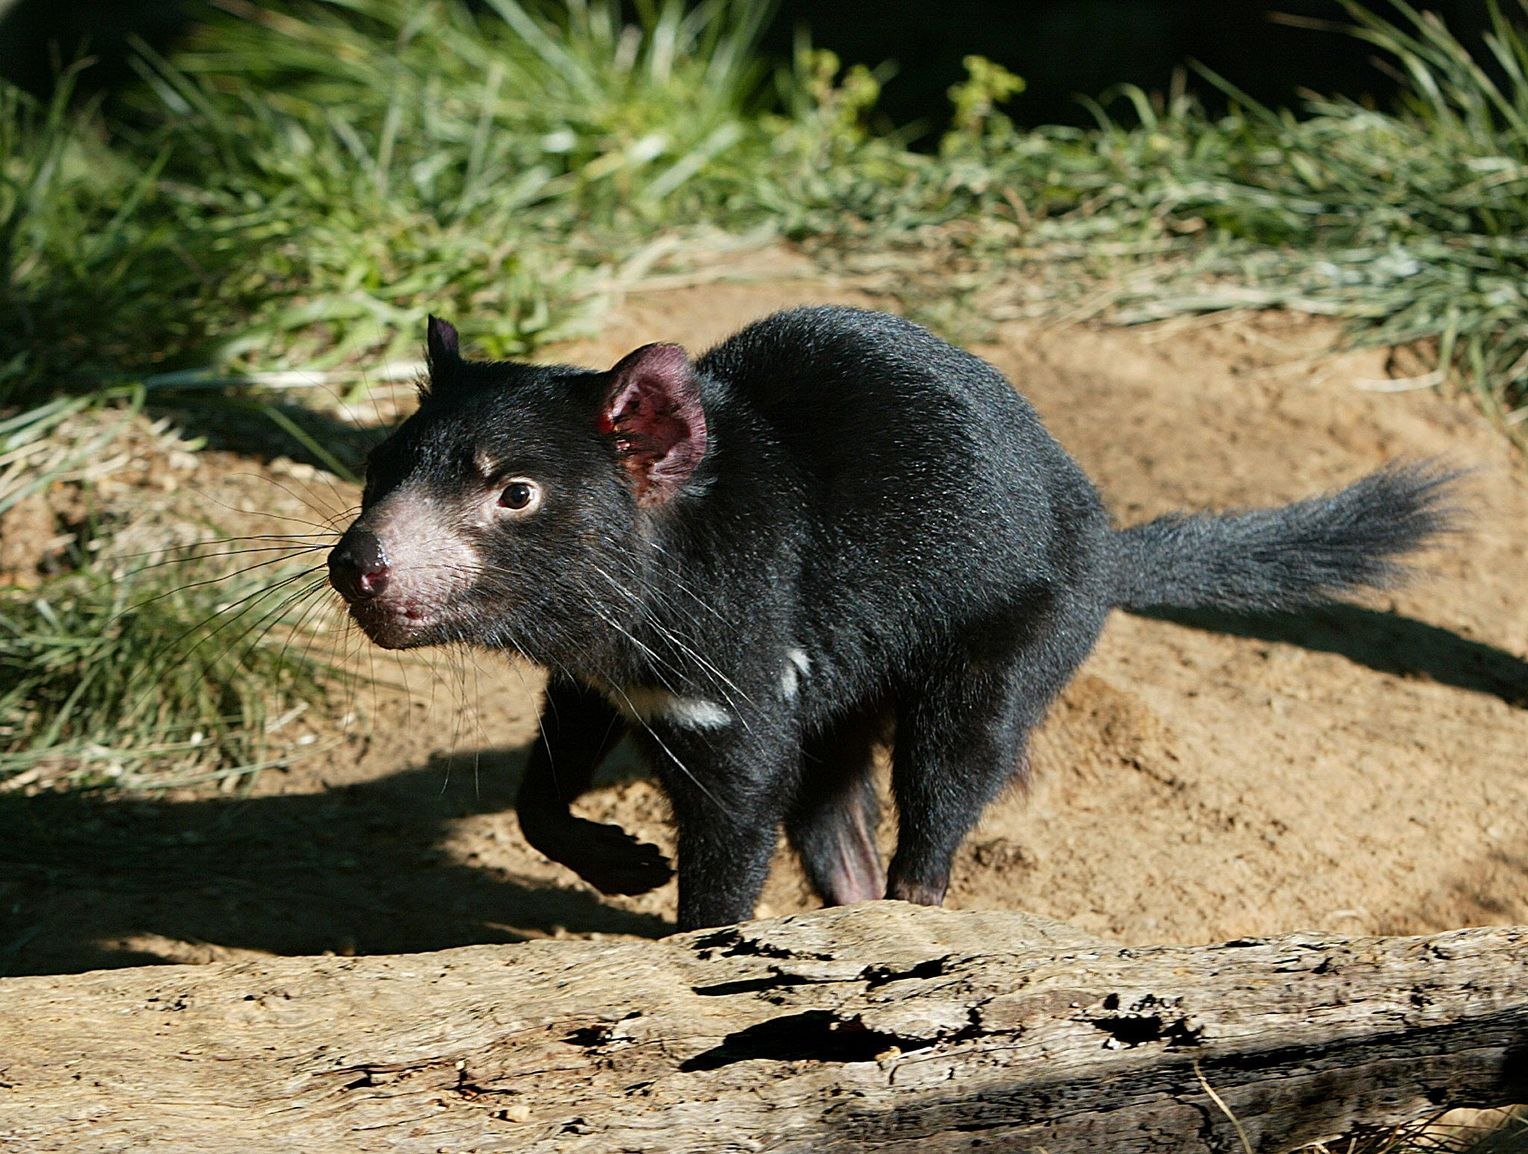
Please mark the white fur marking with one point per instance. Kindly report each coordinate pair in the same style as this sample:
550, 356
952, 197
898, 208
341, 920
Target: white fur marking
644, 703
798, 664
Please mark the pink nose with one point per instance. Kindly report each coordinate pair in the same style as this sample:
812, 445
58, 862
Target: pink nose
357, 566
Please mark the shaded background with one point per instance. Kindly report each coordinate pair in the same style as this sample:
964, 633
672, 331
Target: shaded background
1063, 48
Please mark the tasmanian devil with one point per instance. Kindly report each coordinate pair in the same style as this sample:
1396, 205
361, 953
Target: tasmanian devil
831, 530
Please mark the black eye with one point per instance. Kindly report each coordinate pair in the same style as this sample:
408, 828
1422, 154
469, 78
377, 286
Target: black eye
520, 495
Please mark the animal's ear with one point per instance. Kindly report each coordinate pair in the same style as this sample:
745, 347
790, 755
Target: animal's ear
443, 349
652, 413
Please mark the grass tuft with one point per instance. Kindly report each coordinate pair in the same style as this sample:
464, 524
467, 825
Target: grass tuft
116, 681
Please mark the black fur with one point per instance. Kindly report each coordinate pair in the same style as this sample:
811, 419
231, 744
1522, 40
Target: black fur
833, 529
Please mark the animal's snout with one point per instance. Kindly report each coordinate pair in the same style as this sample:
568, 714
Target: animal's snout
358, 566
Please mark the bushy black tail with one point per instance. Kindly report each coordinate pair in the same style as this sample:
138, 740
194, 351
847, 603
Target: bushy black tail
1308, 553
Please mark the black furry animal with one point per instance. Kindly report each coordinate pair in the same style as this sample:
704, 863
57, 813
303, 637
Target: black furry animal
831, 530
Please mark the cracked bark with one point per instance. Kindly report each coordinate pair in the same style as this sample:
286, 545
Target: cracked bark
882, 1028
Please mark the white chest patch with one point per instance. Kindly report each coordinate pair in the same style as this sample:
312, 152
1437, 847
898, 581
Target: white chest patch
647, 704
797, 666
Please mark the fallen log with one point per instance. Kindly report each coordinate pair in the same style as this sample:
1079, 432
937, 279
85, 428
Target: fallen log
881, 1027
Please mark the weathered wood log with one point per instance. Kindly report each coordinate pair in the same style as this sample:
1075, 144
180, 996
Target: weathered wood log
882, 1027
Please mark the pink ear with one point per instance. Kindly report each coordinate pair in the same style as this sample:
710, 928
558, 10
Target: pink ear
653, 413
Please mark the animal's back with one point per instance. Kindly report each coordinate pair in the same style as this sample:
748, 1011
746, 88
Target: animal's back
934, 497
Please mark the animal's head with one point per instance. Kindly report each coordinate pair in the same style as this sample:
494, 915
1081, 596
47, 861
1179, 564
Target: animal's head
508, 510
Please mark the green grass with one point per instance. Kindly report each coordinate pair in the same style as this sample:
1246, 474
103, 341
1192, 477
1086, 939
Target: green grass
80, 224
326, 173
149, 678
1412, 225
305, 180
298, 186
34, 453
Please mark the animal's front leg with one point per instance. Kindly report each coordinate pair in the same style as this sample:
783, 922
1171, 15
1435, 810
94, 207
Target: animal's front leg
730, 793
578, 729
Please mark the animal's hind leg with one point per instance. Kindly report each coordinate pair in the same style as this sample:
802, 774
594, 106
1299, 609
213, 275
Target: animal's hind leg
962, 735
832, 822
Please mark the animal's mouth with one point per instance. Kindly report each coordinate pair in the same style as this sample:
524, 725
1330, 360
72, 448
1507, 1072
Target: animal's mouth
399, 624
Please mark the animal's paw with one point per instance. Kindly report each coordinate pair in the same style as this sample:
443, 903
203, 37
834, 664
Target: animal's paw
614, 862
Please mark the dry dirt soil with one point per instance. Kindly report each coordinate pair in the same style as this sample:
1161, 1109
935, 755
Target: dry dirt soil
1362, 770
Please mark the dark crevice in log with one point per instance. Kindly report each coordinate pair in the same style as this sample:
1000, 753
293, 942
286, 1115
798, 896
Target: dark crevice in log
812, 1036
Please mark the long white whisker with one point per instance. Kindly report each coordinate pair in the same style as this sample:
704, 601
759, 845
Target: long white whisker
722, 681
672, 756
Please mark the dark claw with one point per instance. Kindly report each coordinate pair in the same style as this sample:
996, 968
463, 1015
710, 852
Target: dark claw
614, 862
605, 856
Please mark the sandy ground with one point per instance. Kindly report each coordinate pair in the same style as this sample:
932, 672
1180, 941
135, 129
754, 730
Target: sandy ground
1357, 771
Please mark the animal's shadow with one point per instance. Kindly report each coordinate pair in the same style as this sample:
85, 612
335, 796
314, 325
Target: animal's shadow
359, 868
1387, 642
